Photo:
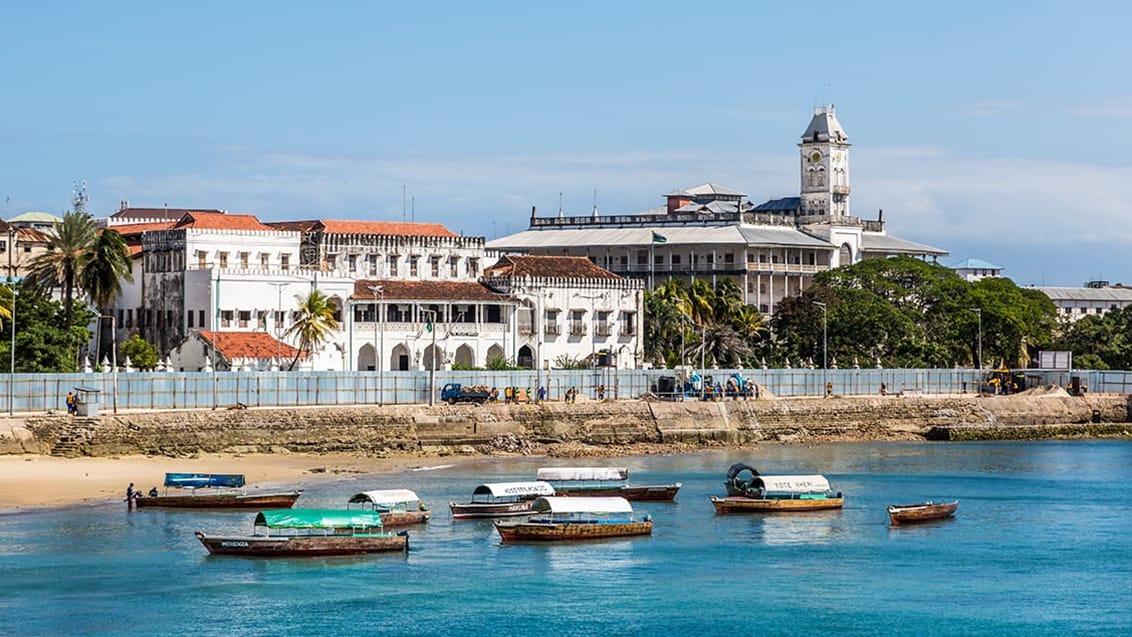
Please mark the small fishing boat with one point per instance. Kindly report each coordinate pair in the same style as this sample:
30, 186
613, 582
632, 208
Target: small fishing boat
759, 493
603, 482
398, 507
575, 518
215, 491
501, 499
921, 512
308, 532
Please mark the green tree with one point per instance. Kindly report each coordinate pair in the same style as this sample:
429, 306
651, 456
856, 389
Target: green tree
107, 265
142, 355
314, 325
69, 248
43, 343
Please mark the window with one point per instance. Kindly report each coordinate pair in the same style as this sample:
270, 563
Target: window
245, 317
285, 262
129, 318
244, 260
226, 318
577, 322
331, 261
642, 257
658, 259
473, 266
453, 267
624, 261
189, 318
413, 265
434, 265
601, 324
391, 263
764, 308
3, 246
550, 324
675, 260
121, 315
202, 259
371, 263
352, 262
223, 259
628, 323
27, 248
200, 318
729, 258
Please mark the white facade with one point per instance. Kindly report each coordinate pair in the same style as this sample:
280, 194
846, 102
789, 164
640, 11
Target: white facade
1074, 304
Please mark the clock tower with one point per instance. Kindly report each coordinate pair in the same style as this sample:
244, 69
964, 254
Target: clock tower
825, 166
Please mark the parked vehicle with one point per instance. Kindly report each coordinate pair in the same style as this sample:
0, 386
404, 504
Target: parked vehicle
453, 393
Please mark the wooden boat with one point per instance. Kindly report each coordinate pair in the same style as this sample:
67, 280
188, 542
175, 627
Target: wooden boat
921, 512
501, 499
308, 532
575, 518
398, 507
603, 482
215, 491
775, 494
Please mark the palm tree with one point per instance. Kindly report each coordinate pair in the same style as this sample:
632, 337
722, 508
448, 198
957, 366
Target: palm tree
68, 251
107, 265
314, 325
7, 300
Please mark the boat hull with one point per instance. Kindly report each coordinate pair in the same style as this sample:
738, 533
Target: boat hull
302, 546
404, 518
470, 510
740, 504
641, 493
222, 501
551, 532
924, 512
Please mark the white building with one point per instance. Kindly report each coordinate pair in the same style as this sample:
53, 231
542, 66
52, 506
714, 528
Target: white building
1096, 298
976, 269
771, 250
216, 291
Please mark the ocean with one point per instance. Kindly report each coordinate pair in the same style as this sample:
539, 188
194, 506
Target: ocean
1041, 545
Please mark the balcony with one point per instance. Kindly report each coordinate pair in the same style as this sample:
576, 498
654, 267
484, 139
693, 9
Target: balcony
603, 329
551, 329
577, 328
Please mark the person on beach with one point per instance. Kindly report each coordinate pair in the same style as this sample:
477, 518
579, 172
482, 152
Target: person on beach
541, 394
131, 495
72, 403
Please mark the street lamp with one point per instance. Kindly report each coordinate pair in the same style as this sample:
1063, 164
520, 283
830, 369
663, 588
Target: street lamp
432, 363
278, 319
12, 285
979, 313
379, 352
824, 344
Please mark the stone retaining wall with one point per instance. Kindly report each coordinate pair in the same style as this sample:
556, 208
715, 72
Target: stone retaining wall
375, 430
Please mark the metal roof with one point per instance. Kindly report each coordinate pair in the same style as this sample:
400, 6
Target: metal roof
553, 504
707, 189
826, 126
975, 264
782, 204
887, 244
514, 489
1087, 294
730, 234
583, 473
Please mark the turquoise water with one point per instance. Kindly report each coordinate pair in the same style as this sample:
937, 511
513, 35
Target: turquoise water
1041, 546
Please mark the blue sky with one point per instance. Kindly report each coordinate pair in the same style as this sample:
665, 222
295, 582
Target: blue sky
993, 130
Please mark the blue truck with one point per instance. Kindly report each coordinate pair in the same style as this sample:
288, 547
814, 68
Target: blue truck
453, 393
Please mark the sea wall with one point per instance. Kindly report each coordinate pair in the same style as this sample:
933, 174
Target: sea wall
378, 430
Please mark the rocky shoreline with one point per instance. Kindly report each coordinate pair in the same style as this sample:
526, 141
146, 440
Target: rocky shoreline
589, 429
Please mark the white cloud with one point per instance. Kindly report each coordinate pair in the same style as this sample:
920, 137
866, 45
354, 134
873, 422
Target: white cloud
1113, 107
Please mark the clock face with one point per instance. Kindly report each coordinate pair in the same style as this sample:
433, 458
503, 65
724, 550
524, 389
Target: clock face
815, 157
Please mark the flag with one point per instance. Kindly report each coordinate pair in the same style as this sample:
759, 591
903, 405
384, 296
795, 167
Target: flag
658, 238
428, 323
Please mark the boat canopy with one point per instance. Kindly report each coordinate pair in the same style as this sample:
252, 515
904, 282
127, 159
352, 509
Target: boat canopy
385, 497
582, 505
202, 480
583, 473
512, 489
317, 519
793, 484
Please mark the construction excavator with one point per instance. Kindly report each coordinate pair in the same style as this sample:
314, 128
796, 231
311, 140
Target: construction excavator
1004, 381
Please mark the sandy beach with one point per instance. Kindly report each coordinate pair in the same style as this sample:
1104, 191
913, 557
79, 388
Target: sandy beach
32, 481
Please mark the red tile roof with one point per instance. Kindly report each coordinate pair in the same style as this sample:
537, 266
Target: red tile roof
221, 221
427, 291
387, 228
548, 267
172, 214
233, 345
138, 228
